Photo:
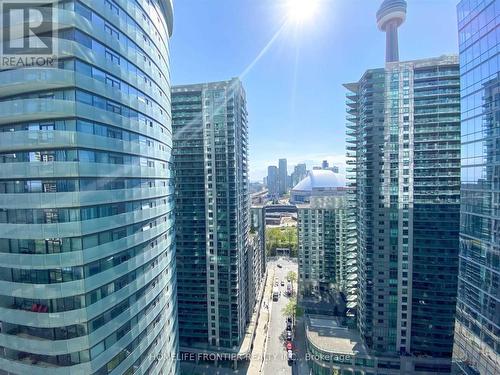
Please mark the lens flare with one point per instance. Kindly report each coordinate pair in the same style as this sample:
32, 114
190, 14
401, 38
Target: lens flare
301, 11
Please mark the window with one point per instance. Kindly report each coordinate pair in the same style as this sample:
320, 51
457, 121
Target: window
112, 7
112, 57
113, 83
113, 108
83, 97
83, 68
112, 31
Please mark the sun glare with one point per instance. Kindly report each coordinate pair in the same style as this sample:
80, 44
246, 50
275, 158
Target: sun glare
302, 10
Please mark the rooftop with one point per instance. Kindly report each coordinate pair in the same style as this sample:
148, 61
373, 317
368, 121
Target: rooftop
326, 333
328, 202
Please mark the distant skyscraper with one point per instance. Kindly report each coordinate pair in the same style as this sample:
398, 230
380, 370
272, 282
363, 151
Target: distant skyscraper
272, 180
325, 164
477, 333
212, 210
299, 173
407, 144
87, 253
391, 14
282, 177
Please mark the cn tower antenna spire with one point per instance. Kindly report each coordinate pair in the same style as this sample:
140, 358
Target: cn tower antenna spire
390, 16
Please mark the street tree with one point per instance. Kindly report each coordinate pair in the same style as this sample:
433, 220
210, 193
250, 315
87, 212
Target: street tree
292, 276
292, 309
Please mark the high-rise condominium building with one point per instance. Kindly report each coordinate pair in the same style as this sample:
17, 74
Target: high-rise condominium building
406, 136
87, 255
283, 177
322, 232
477, 331
272, 180
212, 210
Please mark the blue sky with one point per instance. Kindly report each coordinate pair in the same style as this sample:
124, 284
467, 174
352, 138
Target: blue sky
296, 101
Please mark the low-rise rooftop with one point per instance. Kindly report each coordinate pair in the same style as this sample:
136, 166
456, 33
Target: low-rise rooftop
328, 335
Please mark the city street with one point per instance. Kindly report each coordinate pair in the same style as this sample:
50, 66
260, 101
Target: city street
276, 356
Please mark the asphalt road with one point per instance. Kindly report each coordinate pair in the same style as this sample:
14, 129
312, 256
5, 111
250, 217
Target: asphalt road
276, 357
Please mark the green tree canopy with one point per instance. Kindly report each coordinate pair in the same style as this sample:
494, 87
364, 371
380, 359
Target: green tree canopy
292, 308
292, 276
281, 237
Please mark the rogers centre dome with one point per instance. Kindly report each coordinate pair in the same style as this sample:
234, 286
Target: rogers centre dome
318, 182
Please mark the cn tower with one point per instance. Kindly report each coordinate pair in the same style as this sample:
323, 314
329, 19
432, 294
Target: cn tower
390, 16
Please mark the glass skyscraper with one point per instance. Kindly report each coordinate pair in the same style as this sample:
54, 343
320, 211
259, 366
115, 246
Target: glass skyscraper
406, 139
212, 209
477, 345
272, 181
87, 251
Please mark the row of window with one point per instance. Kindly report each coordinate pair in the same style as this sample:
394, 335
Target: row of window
66, 215
82, 184
61, 275
83, 356
79, 330
480, 50
152, 329
114, 82
479, 86
89, 127
105, 53
476, 25
99, 23
85, 300
150, 16
79, 155
97, 101
59, 245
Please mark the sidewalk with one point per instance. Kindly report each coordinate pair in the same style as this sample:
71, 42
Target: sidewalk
300, 346
260, 341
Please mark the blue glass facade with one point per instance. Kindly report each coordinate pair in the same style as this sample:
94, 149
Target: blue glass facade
87, 250
477, 345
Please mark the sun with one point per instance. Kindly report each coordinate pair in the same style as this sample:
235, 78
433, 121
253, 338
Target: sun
301, 11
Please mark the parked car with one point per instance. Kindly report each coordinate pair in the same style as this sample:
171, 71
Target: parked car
282, 283
289, 335
279, 265
289, 319
289, 346
276, 294
290, 357
288, 326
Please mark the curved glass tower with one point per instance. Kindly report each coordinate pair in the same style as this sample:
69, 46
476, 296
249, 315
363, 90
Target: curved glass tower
87, 263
